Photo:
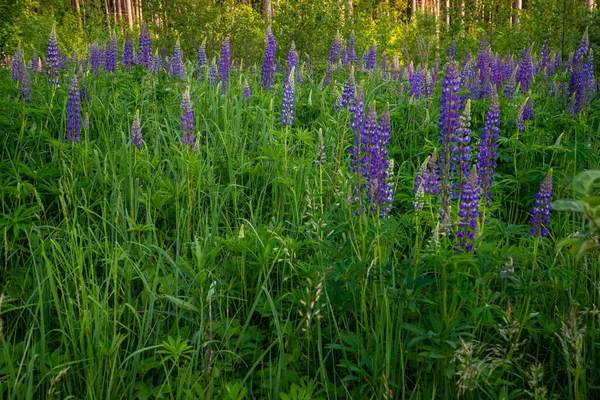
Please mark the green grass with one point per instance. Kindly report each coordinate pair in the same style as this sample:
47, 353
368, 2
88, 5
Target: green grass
242, 271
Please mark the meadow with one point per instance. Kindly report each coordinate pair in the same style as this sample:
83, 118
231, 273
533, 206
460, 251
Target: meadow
192, 226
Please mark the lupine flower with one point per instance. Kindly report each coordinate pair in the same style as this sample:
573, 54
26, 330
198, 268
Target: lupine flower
110, 58
17, 66
338, 106
416, 81
321, 156
246, 93
177, 61
482, 60
372, 57
224, 64
540, 215
334, 51
357, 112
468, 212
25, 87
73, 111
344, 56
95, 57
213, 73
460, 159
429, 178
201, 59
588, 80
292, 60
278, 65
86, 121
449, 123
511, 87
486, 159
289, 94
452, 51
155, 63
543, 64
187, 119
349, 92
525, 71
145, 47
128, 53
36, 63
268, 68
136, 130
384, 61
53, 58
525, 114
308, 66
351, 51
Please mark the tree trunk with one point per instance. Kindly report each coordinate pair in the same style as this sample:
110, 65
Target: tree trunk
447, 9
129, 14
516, 10
591, 5
268, 11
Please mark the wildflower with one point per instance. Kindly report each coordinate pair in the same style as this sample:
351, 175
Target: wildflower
525, 71
53, 58
452, 51
136, 130
308, 66
268, 69
25, 87
110, 58
289, 93
321, 156
73, 111
292, 60
95, 57
334, 51
177, 61
246, 93
212, 73
225, 64
540, 215
128, 53
468, 212
145, 47
372, 57
348, 93
351, 51
201, 59
17, 66
187, 119
460, 149
36, 63
86, 121
486, 159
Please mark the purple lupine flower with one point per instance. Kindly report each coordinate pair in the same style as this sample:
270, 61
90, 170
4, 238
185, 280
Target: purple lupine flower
156, 63
145, 47
468, 212
25, 87
292, 60
511, 87
357, 112
213, 73
308, 66
540, 214
384, 61
528, 114
95, 58
544, 54
128, 59
344, 56
268, 68
416, 81
460, 159
86, 121
452, 51
525, 71
73, 111
278, 65
17, 66
351, 50
321, 156
482, 61
588, 80
335, 50
187, 119
289, 95
246, 93
486, 159
53, 58
372, 57
163, 63
177, 61
449, 124
225, 64
136, 130
201, 59
426, 181
338, 106
349, 92
36, 63
110, 58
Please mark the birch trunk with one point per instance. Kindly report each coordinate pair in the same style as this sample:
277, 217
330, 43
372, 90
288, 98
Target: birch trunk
516, 10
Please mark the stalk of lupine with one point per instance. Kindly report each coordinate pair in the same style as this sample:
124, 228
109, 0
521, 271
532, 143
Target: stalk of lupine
384, 61
289, 95
177, 61
17, 66
268, 68
416, 81
449, 124
460, 158
452, 51
94, 57
482, 60
588, 80
344, 56
145, 47
73, 111
525, 71
110, 58
357, 112
540, 214
337, 106
224, 64
468, 212
25, 87
292, 60
349, 92
351, 50
213, 73
321, 156
86, 121
53, 59
36, 63
486, 159
308, 66
511, 86
372, 57
128, 59
136, 130
187, 119
246, 93
201, 59
335, 50
544, 54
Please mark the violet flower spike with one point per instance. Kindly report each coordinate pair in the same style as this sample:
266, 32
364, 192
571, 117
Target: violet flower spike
486, 159
540, 214
225, 64
246, 93
187, 119
289, 94
73, 111
136, 130
128, 59
53, 62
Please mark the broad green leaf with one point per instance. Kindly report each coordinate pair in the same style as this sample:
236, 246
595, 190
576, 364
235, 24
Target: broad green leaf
583, 181
568, 205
